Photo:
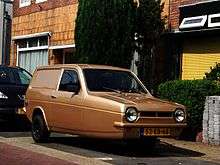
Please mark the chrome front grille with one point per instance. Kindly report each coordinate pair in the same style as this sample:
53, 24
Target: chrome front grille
156, 114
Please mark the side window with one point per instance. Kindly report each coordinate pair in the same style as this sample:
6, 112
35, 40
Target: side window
46, 78
69, 81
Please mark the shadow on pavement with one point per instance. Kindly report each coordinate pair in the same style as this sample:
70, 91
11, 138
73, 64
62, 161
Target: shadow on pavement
16, 126
117, 148
20, 127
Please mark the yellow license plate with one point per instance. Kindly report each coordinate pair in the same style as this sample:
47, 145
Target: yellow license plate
158, 131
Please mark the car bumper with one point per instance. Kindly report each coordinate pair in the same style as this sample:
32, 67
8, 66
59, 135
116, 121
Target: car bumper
12, 111
127, 125
133, 131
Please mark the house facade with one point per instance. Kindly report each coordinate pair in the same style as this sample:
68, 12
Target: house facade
193, 38
42, 32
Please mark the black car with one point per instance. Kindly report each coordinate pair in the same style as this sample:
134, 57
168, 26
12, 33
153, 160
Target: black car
14, 82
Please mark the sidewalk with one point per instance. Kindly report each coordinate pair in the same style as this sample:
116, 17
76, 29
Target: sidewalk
210, 153
11, 155
14, 151
22, 151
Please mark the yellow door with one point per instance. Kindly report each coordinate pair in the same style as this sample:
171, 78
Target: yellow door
198, 56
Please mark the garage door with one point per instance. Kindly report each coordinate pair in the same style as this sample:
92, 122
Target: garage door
199, 56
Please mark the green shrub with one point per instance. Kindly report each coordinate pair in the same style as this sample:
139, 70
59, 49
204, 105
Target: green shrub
214, 74
192, 94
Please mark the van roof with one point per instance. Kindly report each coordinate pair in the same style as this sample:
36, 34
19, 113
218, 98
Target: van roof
82, 66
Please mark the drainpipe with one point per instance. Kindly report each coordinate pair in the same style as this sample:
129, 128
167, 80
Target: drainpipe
7, 38
1, 31
6, 32
169, 10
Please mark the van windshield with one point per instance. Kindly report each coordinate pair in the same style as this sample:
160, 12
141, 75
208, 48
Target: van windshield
106, 80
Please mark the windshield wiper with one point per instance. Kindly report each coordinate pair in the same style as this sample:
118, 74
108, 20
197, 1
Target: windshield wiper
133, 90
113, 90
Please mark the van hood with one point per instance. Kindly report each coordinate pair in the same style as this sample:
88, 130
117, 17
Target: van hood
141, 101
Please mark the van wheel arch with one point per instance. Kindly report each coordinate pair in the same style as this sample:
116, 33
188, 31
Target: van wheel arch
37, 111
40, 112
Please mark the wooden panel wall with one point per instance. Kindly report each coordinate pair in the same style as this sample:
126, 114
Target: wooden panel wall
59, 21
198, 56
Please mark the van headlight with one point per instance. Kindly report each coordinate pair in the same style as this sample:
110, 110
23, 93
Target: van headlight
179, 115
131, 115
3, 96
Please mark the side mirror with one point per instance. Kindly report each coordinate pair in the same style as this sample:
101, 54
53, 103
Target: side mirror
76, 88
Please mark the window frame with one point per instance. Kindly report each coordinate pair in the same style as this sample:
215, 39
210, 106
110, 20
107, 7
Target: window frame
28, 47
215, 24
193, 25
40, 1
24, 4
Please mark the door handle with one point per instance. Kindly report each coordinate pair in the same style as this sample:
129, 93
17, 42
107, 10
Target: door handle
53, 96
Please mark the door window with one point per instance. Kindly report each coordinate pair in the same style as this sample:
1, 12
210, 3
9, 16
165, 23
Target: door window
69, 81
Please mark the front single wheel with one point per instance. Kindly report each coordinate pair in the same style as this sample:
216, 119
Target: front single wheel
40, 132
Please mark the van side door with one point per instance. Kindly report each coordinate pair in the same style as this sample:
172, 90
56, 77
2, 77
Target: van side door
67, 102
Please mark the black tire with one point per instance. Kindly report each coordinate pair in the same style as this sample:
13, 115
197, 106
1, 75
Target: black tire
39, 129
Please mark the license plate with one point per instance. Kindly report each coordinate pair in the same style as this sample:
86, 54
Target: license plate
158, 131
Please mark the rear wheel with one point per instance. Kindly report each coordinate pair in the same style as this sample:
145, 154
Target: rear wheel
39, 131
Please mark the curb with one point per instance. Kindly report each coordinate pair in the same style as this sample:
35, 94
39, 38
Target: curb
69, 157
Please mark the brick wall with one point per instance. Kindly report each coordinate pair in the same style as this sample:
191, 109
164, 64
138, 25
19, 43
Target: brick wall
165, 12
174, 11
55, 16
59, 19
38, 7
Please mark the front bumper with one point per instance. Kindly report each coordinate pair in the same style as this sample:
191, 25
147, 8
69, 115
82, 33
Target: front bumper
8, 111
12, 111
138, 130
141, 125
